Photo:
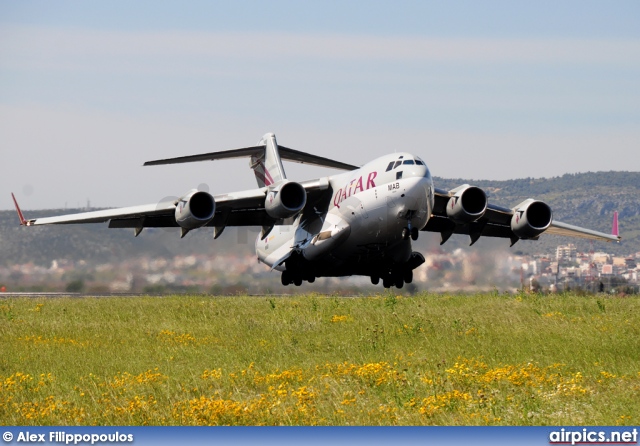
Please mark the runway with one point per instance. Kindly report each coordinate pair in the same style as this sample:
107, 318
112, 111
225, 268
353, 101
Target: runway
79, 295
26, 294
85, 295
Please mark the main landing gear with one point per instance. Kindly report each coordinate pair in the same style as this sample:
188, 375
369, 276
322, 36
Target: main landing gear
412, 232
394, 278
288, 277
398, 274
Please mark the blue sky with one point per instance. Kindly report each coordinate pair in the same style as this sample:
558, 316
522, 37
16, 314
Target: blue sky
480, 90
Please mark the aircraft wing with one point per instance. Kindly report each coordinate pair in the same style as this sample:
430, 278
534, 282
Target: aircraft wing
560, 228
498, 221
244, 208
148, 210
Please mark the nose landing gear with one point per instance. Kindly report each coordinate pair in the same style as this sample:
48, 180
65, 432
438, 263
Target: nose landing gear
409, 231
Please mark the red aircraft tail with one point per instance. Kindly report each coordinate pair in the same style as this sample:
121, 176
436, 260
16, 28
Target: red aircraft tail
23, 221
614, 227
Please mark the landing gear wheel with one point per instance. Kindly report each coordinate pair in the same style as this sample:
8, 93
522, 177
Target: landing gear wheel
297, 281
406, 234
375, 280
311, 279
386, 282
285, 278
408, 276
399, 282
414, 233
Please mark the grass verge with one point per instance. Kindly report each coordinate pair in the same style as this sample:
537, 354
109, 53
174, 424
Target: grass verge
379, 360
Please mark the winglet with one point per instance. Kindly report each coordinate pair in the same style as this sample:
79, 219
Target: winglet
614, 226
23, 222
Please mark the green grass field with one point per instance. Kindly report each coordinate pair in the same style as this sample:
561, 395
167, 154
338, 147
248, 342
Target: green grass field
381, 360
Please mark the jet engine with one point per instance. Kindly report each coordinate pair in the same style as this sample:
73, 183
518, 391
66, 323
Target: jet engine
195, 209
468, 204
531, 218
285, 200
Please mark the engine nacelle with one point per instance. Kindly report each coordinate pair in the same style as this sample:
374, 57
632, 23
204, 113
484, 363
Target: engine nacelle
195, 209
468, 204
285, 200
531, 218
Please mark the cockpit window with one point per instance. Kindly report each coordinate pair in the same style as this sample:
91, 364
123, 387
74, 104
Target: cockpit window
401, 161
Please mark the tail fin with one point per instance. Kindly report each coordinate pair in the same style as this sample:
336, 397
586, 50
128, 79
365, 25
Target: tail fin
267, 166
614, 226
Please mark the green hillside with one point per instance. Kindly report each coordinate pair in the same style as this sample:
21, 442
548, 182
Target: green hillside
98, 243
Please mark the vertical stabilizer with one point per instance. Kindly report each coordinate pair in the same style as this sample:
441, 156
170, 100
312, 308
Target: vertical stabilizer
267, 165
614, 226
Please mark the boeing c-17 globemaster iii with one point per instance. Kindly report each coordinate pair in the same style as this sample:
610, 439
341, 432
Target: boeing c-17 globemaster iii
360, 222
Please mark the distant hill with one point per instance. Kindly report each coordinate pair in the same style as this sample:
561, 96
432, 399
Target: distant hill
586, 199
98, 243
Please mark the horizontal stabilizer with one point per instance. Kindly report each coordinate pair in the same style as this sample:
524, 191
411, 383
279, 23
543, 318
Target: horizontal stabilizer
285, 153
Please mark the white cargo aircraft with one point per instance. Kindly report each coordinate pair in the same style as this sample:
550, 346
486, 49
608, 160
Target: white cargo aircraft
356, 223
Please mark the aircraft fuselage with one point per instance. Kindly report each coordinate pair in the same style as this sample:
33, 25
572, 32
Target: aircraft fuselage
366, 228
